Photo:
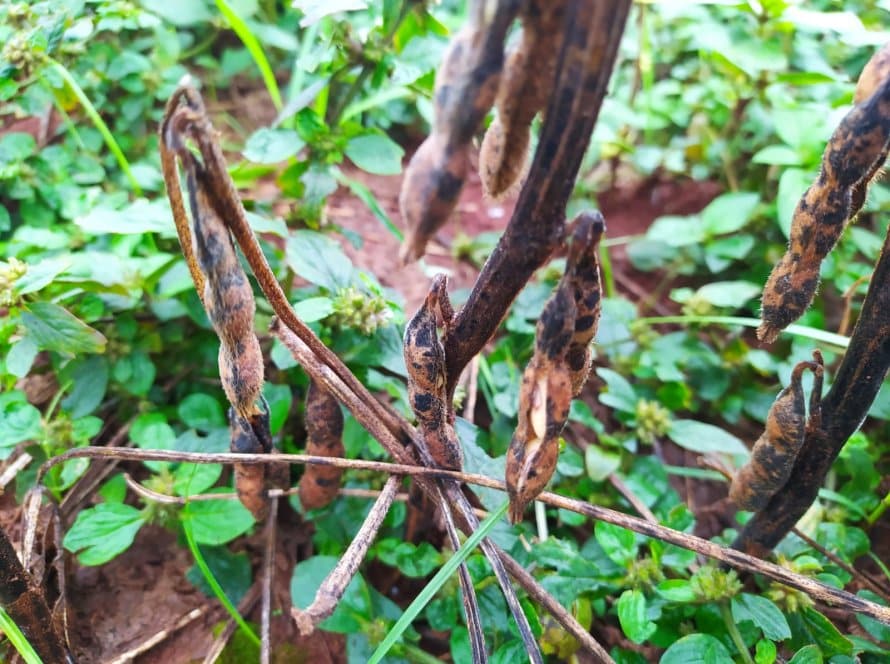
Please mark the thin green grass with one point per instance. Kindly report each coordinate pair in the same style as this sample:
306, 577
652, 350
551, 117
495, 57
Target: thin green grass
18, 640
367, 197
254, 48
98, 122
441, 577
214, 584
799, 330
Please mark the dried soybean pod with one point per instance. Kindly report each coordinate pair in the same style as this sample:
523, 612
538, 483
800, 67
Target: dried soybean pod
250, 480
545, 396
583, 273
527, 81
855, 151
775, 452
324, 428
465, 89
876, 70
425, 362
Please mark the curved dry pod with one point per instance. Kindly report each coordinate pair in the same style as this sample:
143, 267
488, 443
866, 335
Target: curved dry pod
775, 452
856, 151
324, 428
526, 84
545, 397
465, 90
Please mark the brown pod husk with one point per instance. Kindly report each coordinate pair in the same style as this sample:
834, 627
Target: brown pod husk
324, 427
250, 480
425, 362
775, 452
526, 84
545, 397
465, 89
583, 273
856, 151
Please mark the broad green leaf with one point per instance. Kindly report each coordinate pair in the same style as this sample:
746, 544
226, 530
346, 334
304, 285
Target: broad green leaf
218, 521
807, 655
140, 216
600, 463
231, 570
314, 308
15, 147
705, 438
413, 561
765, 652
733, 294
376, 153
632, 616
878, 630
729, 212
21, 356
201, 412
696, 649
150, 431
271, 146
102, 532
41, 274
618, 543
89, 382
182, 14
677, 231
315, 10
319, 259
778, 155
763, 613
55, 328
19, 421
813, 627
676, 590
192, 478
620, 394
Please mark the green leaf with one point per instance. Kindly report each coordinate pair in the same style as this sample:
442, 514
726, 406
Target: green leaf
150, 431
313, 309
319, 259
620, 394
218, 521
877, 629
55, 328
807, 655
632, 616
763, 613
315, 10
733, 294
183, 14
779, 155
41, 274
21, 356
192, 478
696, 649
676, 590
140, 216
376, 153
704, 438
600, 463
677, 231
201, 412
102, 532
305, 581
232, 570
618, 543
729, 212
19, 421
765, 652
271, 146
413, 561
89, 382
15, 147
818, 629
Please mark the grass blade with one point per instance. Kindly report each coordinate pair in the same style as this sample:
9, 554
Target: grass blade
425, 595
98, 122
18, 640
253, 47
214, 584
800, 330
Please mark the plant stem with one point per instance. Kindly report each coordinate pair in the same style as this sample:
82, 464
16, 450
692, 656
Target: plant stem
734, 633
879, 510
